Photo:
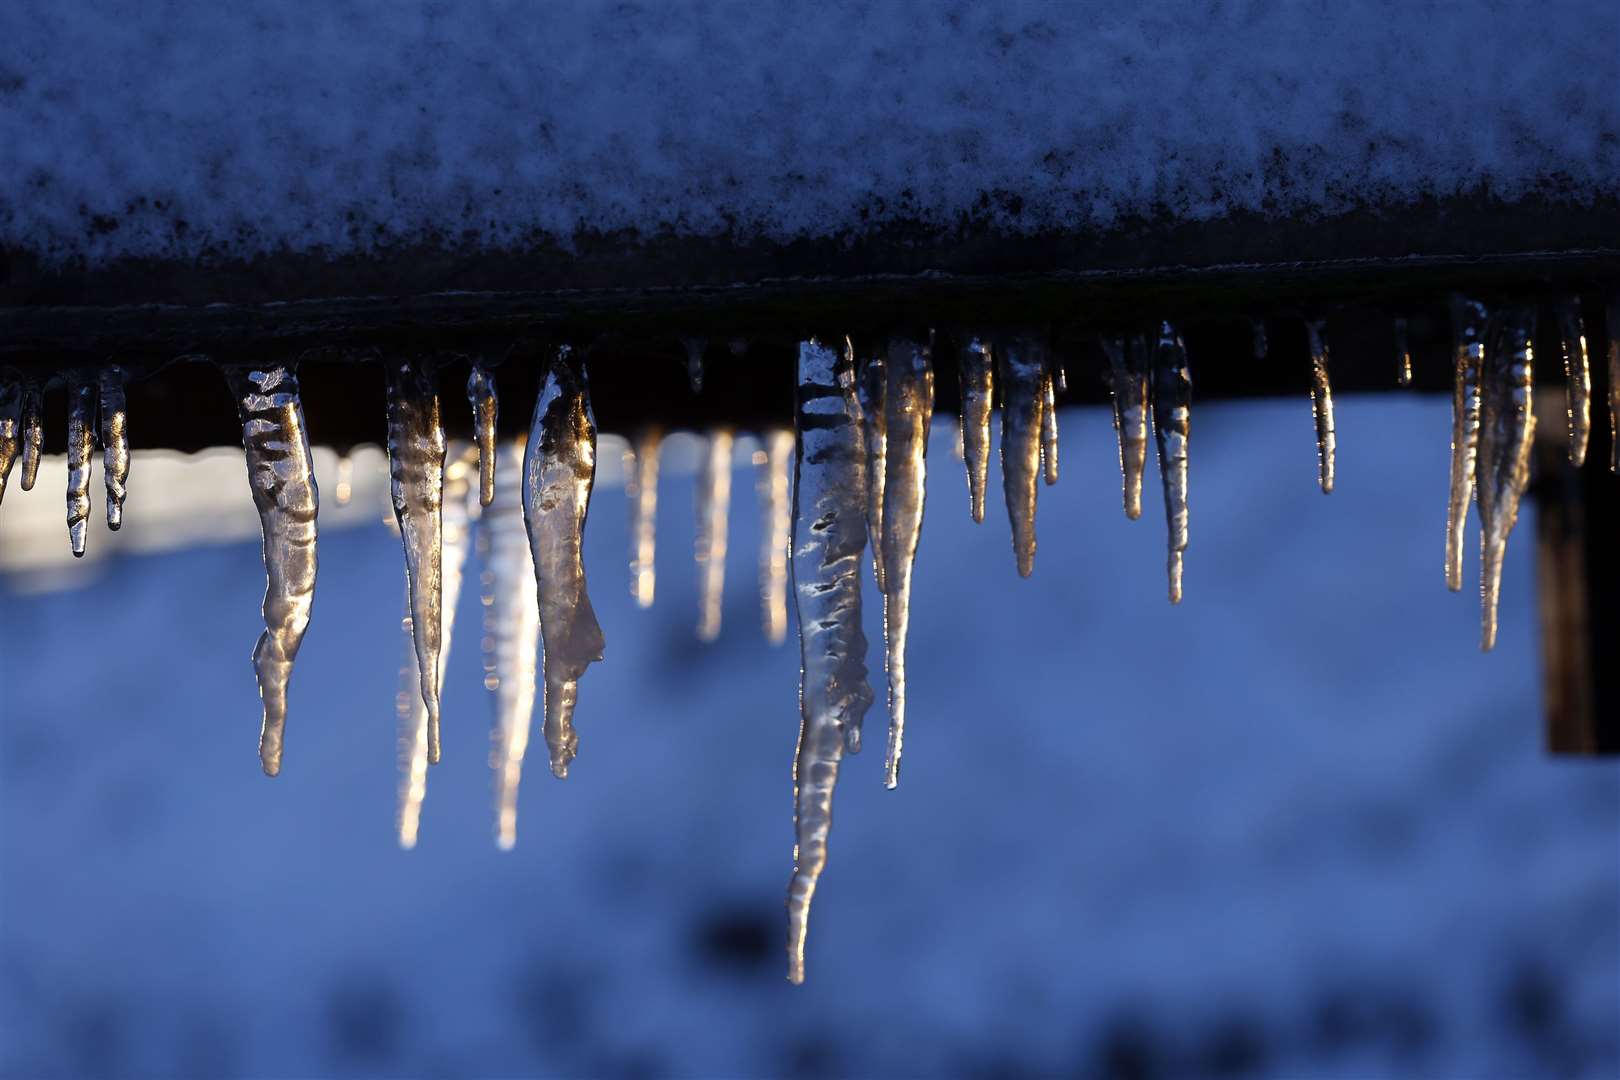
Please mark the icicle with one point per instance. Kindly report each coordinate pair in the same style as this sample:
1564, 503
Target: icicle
774, 487
416, 484
828, 542
1172, 427
486, 409
114, 442
1507, 428
641, 484
910, 407
694, 362
1321, 402
511, 643
1128, 364
1049, 429
1023, 362
460, 462
1261, 345
344, 486
558, 470
81, 441
1061, 379
713, 513
1403, 355
33, 432
281, 476
976, 371
1577, 377
10, 428
873, 388
1468, 323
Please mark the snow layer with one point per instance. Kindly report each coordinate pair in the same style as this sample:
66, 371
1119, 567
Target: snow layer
181, 128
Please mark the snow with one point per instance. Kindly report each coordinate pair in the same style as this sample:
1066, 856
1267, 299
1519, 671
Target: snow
1298, 818
181, 129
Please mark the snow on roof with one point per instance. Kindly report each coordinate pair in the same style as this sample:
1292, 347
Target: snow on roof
181, 128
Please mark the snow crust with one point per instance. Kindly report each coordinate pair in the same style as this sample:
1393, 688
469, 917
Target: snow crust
179, 129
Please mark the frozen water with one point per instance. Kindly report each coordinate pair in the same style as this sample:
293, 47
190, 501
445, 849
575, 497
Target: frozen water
81, 439
976, 372
1507, 429
1022, 361
910, 412
713, 523
1172, 427
114, 442
1469, 321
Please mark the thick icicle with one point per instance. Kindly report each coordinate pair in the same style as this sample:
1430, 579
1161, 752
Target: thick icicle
486, 407
559, 468
461, 461
1321, 402
416, 484
1172, 427
1507, 428
910, 407
1577, 377
828, 542
1468, 324
694, 363
713, 523
511, 642
976, 372
114, 442
775, 483
641, 485
873, 389
81, 441
10, 428
33, 432
1049, 429
1403, 355
1023, 365
1128, 364
281, 476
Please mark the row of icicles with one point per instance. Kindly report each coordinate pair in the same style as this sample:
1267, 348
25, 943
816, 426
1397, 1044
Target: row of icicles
859, 451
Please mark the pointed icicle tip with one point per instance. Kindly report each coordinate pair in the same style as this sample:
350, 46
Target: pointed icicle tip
1049, 428
1130, 360
80, 446
1022, 359
1172, 424
511, 642
1322, 403
115, 442
486, 408
1507, 431
976, 378
33, 432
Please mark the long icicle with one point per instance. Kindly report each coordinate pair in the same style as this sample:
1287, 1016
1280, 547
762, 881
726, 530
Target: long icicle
10, 427
976, 376
1129, 360
641, 485
1507, 429
910, 408
114, 442
713, 525
486, 410
1577, 377
1468, 324
1023, 362
774, 486
461, 462
872, 390
281, 477
559, 467
1322, 402
1172, 428
829, 541
511, 643
1049, 428
81, 441
416, 483
33, 432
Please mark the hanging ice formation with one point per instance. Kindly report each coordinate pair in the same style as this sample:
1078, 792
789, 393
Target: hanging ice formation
775, 482
1577, 377
1403, 355
641, 485
909, 404
872, 392
828, 542
1321, 402
486, 407
976, 369
1022, 360
1468, 325
1172, 427
559, 468
1049, 429
81, 440
713, 523
281, 476
511, 641
461, 461
416, 485
33, 432
114, 442
1129, 360
10, 428
1507, 427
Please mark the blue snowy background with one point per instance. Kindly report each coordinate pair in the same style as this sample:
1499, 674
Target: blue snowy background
1299, 825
